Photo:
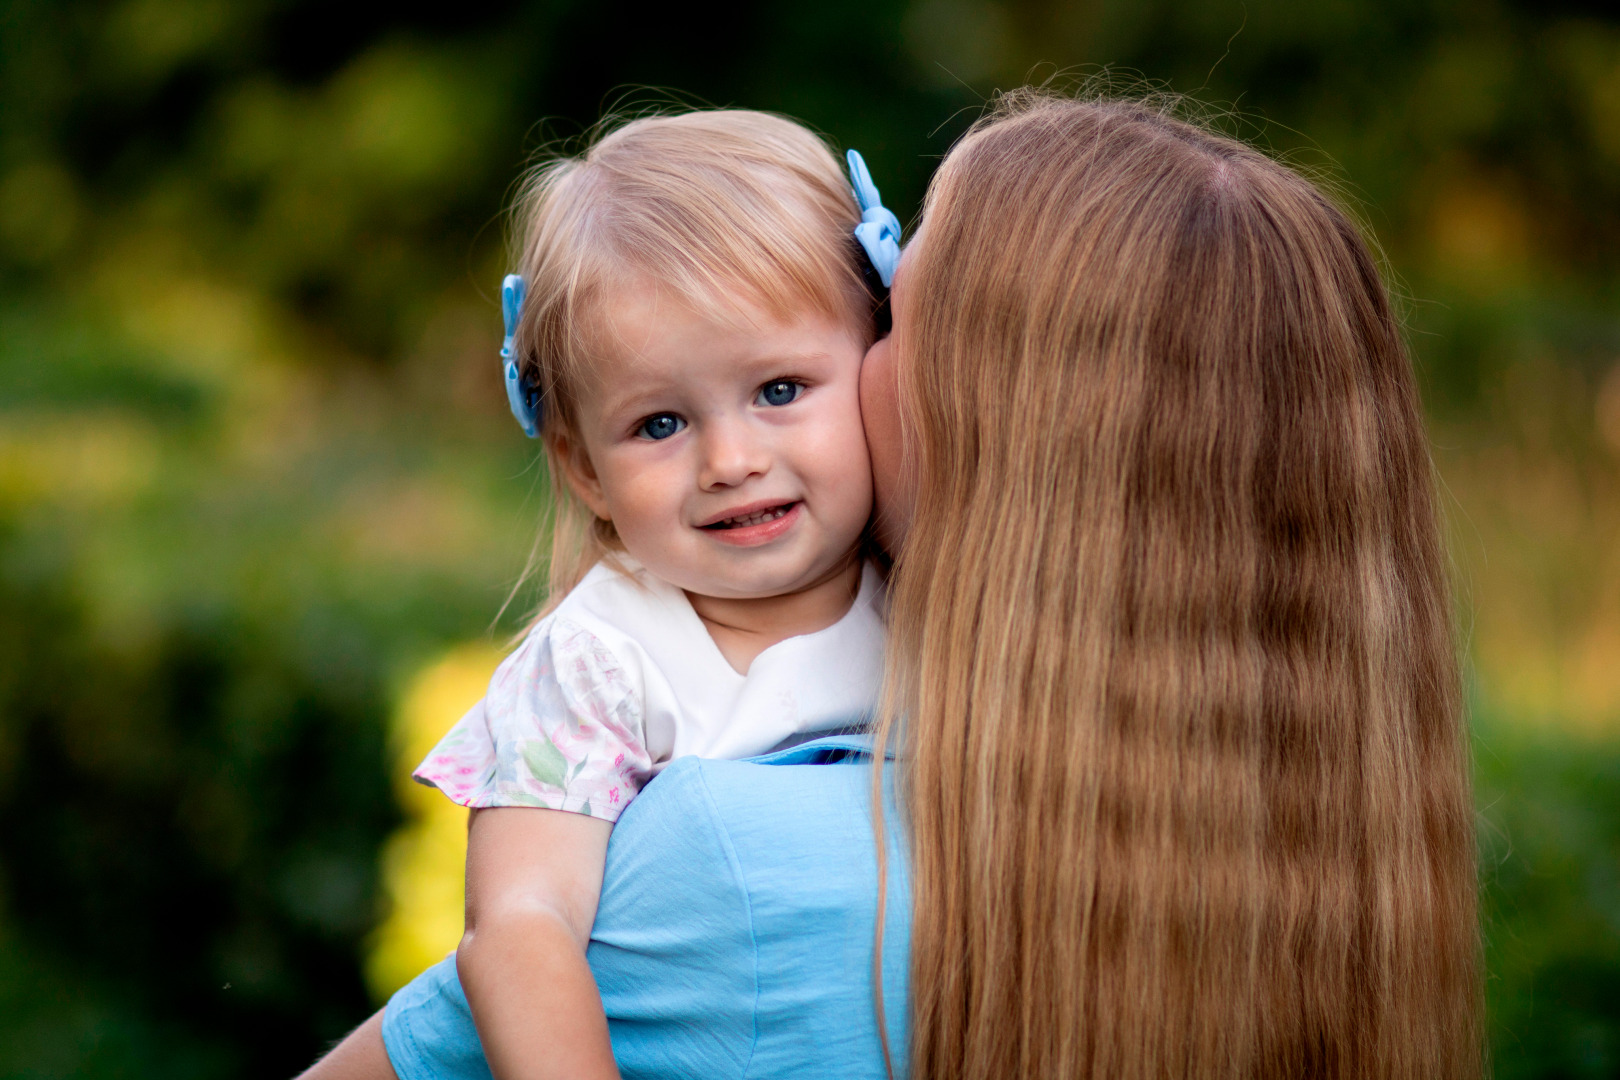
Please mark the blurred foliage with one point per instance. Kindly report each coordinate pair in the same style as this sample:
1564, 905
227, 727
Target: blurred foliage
256, 476
1551, 867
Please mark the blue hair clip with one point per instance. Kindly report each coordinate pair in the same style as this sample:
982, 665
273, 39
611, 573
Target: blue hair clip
879, 230
521, 394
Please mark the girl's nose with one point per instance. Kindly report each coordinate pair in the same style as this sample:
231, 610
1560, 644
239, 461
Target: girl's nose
730, 456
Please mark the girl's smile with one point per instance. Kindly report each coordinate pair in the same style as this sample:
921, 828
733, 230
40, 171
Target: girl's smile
751, 526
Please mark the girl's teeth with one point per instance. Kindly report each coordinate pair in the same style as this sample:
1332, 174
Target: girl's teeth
758, 517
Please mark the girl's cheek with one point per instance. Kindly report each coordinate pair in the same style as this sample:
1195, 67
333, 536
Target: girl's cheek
834, 440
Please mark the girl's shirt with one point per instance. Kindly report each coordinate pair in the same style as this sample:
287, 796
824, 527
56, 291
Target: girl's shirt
623, 677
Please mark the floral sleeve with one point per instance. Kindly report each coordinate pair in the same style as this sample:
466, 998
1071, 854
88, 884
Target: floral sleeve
561, 728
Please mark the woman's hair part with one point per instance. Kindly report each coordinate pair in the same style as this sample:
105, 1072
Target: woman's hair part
1182, 752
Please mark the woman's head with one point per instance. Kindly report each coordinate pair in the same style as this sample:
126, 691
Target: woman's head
1185, 769
675, 256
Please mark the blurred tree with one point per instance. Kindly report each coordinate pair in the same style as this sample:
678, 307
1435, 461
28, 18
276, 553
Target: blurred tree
255, 469
1552, 870
189, 836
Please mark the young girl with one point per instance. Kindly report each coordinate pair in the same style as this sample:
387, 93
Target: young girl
686, 336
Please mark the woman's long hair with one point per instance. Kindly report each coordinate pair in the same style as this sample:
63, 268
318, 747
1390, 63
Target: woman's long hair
1173, 673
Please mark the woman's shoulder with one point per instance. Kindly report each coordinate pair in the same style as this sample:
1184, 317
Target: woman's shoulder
801, 833
755, 887
752, 820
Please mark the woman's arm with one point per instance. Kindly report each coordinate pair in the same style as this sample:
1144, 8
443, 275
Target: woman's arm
533, 880
360, 1056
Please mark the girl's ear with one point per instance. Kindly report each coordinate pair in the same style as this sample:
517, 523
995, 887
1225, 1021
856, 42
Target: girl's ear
579, 474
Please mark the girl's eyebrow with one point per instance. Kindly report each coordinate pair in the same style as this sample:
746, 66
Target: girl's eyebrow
637, 399
635, 387
782, 363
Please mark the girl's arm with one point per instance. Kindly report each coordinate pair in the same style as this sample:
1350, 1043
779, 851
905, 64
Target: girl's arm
533, 880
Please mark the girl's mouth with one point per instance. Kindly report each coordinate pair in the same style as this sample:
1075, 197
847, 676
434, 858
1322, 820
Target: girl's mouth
754, 517
756, 525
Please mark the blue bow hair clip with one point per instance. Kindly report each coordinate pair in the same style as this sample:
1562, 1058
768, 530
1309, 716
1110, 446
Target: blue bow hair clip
521, 394
879, 230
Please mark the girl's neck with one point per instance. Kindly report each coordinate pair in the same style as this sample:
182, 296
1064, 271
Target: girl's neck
742, 629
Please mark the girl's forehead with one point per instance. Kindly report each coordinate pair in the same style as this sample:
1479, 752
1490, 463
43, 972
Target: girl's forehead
639, 317
734, 304
646, 337
640, 298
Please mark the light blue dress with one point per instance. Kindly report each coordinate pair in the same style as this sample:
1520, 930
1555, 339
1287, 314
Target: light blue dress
734, 937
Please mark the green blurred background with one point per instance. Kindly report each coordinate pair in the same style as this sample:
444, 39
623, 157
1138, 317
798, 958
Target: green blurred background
256, 472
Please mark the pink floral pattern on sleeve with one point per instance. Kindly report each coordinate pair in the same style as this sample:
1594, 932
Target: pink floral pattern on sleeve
561, 728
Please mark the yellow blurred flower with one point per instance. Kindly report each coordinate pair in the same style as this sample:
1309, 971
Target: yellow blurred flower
423, 863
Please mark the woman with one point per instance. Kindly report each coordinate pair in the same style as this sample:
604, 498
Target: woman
1182, 773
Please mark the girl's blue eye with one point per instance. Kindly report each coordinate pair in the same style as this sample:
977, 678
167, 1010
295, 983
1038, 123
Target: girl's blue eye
661, 426
780, 392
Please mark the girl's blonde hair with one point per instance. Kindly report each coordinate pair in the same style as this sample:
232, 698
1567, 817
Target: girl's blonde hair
1183, 758
731, 211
